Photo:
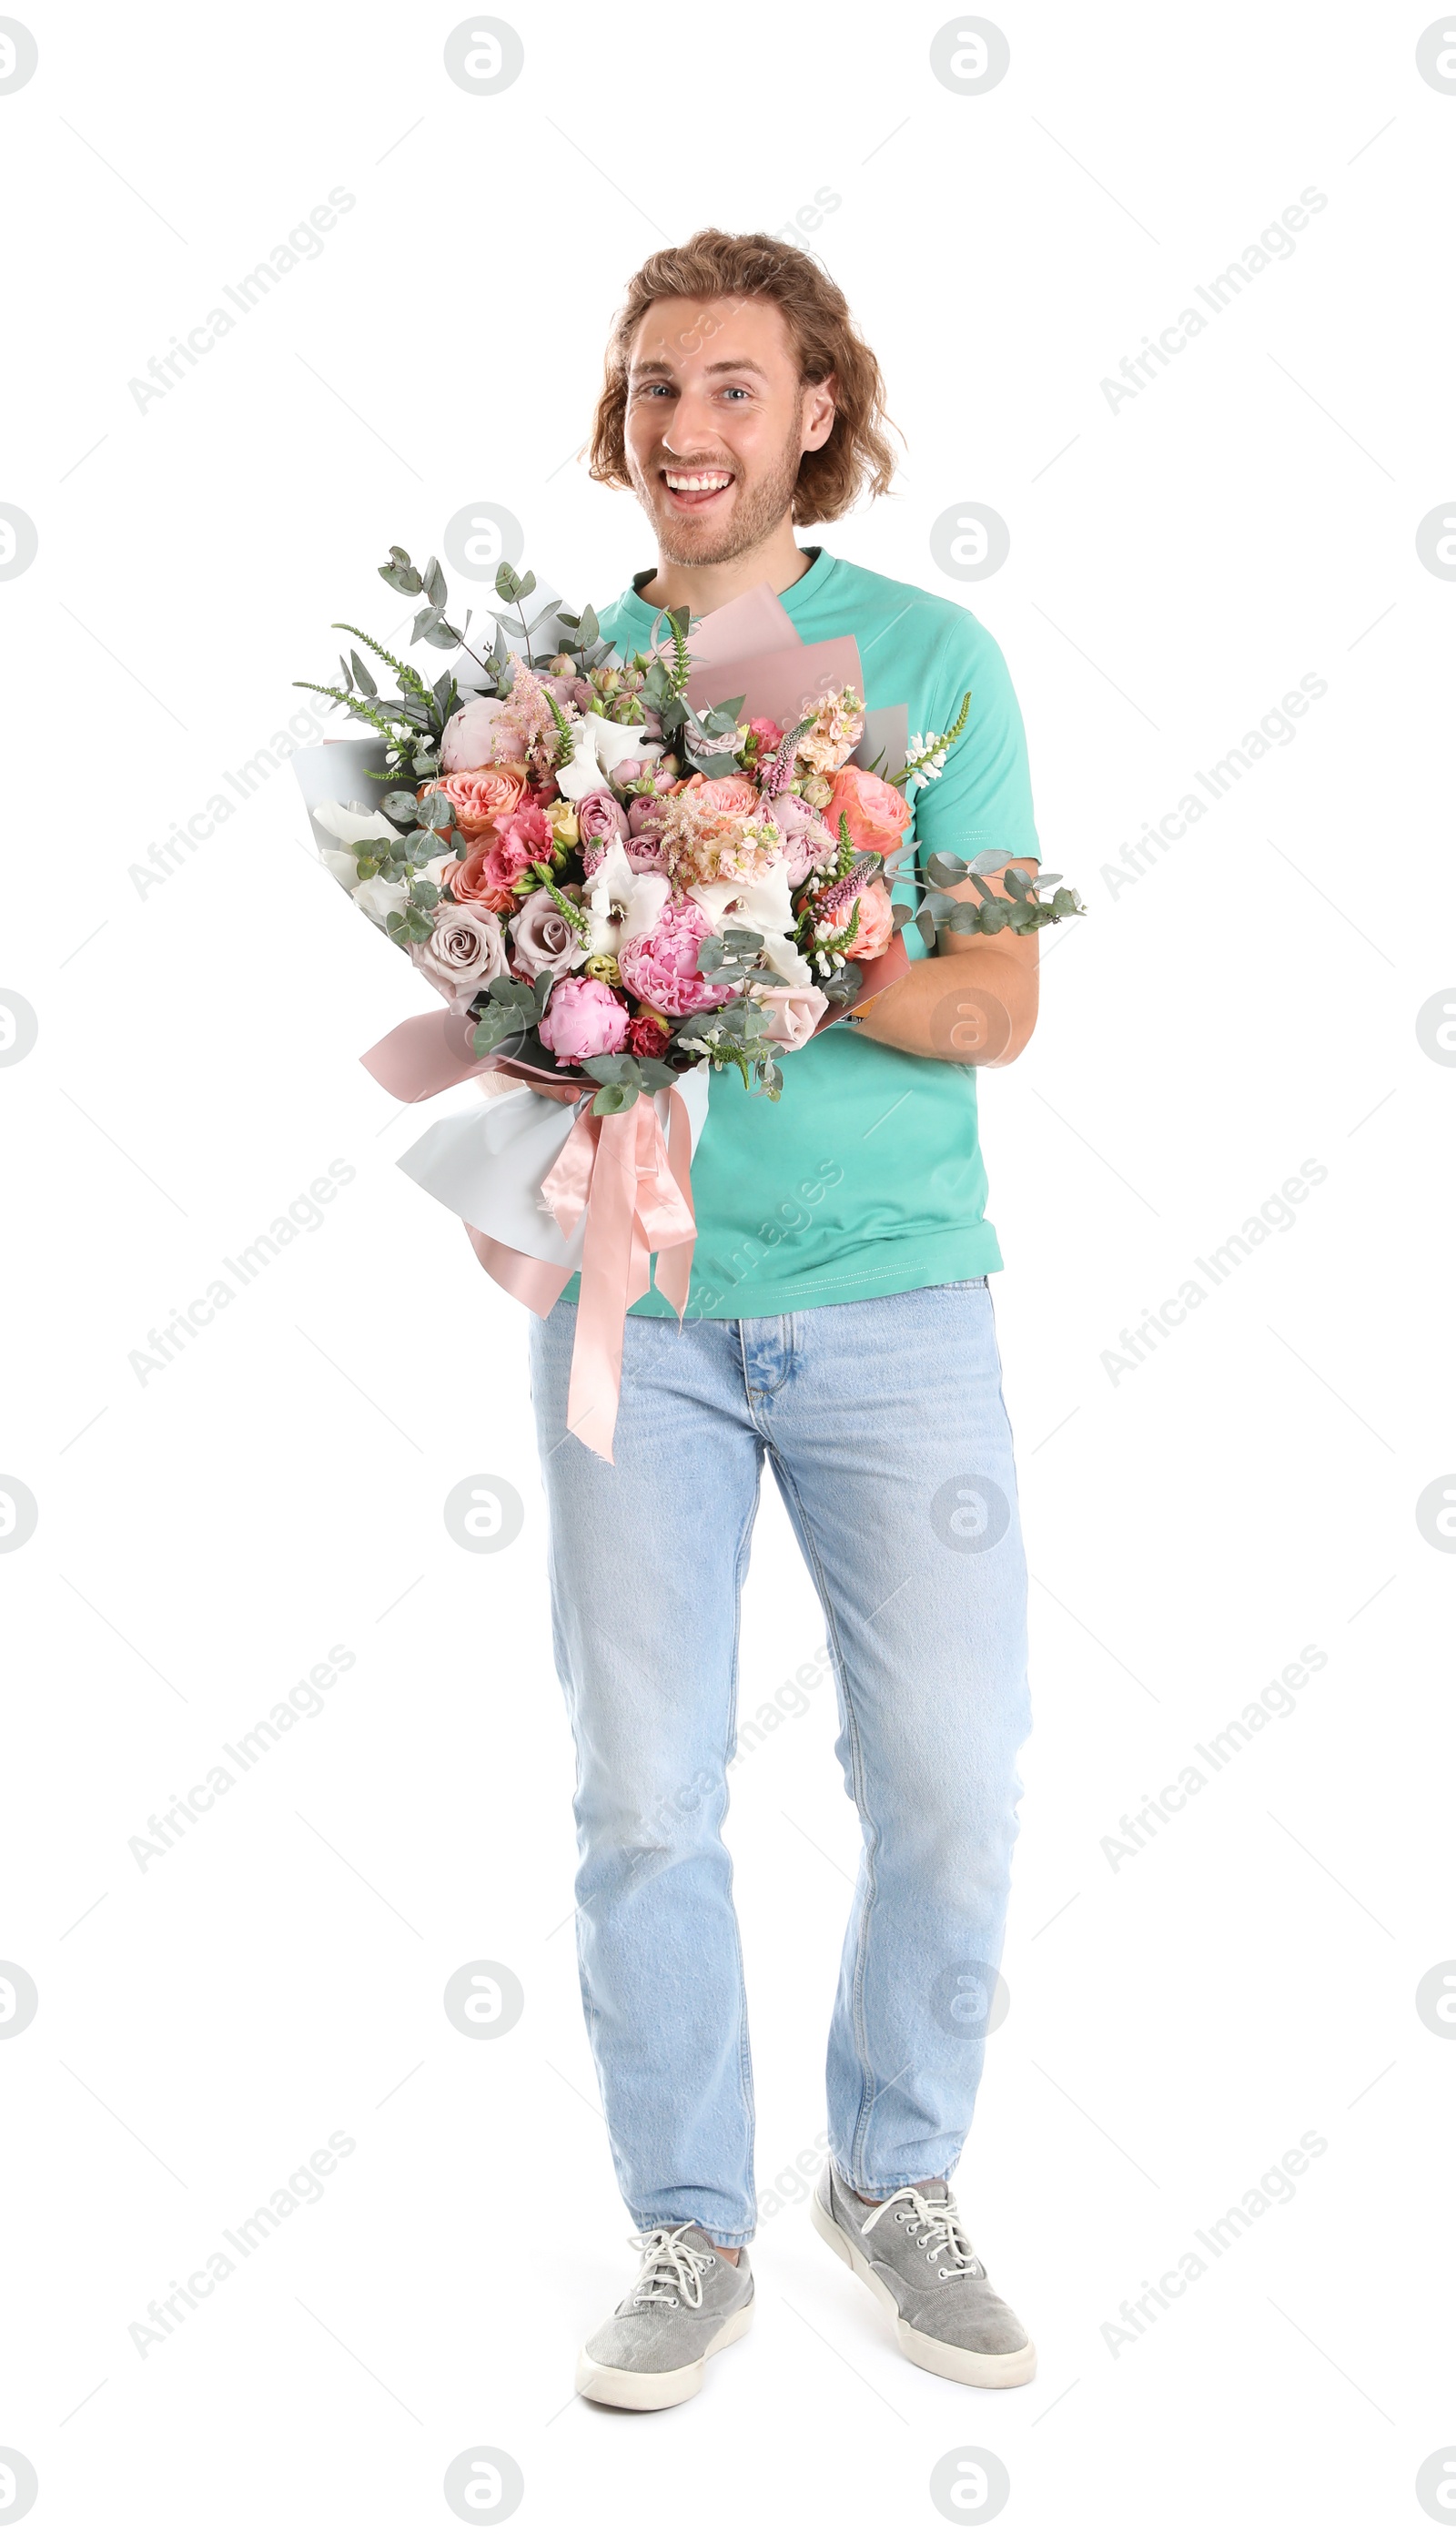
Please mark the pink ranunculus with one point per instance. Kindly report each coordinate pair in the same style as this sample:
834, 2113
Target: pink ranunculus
583, 1019
599, 815
877, 924
661, 967
876, 812
467, 736
464, 954
792, 1013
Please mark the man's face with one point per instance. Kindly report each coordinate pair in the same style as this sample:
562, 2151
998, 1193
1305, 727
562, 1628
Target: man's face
718, 421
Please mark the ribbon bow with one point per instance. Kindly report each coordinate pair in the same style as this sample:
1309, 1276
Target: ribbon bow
632, 1183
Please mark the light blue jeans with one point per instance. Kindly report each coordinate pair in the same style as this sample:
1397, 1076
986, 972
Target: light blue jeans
888, 1432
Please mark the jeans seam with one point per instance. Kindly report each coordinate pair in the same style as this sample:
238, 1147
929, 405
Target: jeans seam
745, 2063
867, 2094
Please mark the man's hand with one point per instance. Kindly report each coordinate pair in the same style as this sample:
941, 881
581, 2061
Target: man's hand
975, 1005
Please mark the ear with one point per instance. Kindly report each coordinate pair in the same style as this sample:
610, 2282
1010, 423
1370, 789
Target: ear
818, 412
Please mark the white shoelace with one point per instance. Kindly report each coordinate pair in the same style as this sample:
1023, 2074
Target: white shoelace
669, 2260
941, 2230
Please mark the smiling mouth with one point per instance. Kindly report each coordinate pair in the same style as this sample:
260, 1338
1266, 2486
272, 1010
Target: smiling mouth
695, 490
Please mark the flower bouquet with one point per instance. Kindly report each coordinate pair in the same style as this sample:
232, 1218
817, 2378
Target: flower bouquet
605, 881
618, 887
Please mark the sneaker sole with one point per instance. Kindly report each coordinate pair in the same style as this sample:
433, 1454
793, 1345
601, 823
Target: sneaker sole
984, 2368
627, 2391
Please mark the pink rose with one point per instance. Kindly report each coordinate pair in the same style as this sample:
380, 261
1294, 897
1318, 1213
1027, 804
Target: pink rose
803, 832
544, 941
465, 953
769, 733
467, 736
735, 795
661, 967
599, 815
583, 1019
793, 1014
479, 796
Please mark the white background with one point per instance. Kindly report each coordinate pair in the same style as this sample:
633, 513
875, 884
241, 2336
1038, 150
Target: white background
1176, 566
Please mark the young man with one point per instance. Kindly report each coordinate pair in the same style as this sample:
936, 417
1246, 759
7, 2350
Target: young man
840, 1324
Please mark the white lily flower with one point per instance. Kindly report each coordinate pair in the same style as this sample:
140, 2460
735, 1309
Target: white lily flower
621, 902
762, 904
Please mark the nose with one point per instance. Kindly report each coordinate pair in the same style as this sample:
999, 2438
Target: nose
691, 429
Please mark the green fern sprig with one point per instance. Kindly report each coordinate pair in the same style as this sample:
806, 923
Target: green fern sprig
404, 673
358, 706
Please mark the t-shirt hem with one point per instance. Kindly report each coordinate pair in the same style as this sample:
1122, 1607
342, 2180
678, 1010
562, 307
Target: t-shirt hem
965, 1255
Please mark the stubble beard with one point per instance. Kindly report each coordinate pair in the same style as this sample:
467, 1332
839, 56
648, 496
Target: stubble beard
756, 515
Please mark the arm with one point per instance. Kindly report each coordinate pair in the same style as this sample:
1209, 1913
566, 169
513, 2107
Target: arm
975, 1004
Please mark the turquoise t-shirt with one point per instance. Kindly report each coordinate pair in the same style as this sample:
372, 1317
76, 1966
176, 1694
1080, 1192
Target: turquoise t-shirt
865, 1177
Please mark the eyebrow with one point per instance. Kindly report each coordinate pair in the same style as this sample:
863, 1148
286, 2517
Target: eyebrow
663, 370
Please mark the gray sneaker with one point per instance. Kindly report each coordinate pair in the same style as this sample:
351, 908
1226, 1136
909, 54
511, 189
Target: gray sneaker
687, 2304
913, 2253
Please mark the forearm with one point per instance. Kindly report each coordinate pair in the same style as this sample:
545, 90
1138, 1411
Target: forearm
977, 1007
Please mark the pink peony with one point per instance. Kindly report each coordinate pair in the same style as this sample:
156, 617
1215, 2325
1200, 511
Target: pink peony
583, 1019
661, 967
467, 736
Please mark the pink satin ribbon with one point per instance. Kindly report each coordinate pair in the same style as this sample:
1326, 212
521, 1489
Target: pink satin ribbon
632, 1185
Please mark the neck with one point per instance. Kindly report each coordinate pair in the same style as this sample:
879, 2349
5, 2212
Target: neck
776, 560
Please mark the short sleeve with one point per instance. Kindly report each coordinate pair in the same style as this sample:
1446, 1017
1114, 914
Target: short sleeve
982, 798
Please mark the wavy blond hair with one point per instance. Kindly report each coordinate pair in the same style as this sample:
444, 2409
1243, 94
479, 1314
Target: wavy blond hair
719, 265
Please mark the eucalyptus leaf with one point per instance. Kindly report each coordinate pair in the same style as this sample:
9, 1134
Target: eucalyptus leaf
615, 1098
588, 625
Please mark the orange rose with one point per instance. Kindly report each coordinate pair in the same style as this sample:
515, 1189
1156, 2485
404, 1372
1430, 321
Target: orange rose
734, 795
876, 814
480, 796
876, 920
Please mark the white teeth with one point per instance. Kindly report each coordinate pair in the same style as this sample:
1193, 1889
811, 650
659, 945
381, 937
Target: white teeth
697, 485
